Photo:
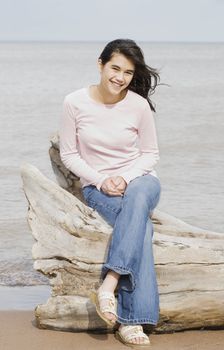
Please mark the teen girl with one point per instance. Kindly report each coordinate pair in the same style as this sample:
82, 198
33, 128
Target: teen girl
108, 139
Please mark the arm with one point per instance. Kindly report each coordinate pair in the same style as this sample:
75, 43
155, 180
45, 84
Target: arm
148, 147
68, 150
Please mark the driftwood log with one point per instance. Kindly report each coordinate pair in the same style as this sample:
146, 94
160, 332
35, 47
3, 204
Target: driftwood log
71, 242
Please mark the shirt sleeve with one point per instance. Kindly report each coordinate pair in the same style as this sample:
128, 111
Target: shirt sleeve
69, 154
148, 146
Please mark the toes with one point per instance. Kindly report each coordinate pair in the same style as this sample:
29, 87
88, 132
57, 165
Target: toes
135, 341
138, 340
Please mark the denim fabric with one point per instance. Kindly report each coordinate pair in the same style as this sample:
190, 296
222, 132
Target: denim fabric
130, 252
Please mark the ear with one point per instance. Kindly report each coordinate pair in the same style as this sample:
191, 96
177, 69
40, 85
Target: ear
100, 65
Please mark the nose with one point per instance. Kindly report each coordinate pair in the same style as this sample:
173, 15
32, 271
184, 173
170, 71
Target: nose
120, 77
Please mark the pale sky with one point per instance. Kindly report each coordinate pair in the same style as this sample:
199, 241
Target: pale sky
102, 20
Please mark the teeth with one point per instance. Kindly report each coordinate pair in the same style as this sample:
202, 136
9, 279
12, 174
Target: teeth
116, 84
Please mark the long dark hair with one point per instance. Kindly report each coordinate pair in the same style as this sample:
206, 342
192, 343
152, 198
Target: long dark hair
145, 78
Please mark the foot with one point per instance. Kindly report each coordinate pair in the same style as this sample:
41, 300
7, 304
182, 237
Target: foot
106, 303
133, 334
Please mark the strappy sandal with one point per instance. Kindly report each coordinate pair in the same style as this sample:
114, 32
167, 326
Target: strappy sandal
127, 333
97, 297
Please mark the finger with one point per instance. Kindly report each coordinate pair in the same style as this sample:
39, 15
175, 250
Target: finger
115, 194
107, 188
119, 181
114, 184
113, 181
117, 191
113, 191
120, 188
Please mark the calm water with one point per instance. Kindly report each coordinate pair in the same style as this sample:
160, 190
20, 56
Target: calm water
35, 77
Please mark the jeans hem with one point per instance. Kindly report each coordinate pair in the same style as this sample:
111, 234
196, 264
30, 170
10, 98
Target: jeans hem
121, 271
136, 321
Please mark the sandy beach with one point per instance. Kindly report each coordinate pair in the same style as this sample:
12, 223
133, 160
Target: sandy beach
18, 331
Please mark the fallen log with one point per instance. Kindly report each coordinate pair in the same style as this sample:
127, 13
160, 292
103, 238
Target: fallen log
71, 243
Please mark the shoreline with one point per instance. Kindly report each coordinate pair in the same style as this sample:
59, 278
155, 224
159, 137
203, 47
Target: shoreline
23, 298
19, 331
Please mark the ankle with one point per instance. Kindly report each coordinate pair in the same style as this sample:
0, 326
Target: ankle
123, 325
110, 282
106, 288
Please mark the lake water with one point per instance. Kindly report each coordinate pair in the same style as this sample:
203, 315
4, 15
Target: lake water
35, 77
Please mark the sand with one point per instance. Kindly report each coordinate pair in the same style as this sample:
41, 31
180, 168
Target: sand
18, 331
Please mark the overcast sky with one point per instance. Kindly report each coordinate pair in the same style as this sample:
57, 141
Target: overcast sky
103, 20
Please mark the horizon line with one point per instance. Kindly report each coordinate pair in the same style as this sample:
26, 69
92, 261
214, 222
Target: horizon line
103, 41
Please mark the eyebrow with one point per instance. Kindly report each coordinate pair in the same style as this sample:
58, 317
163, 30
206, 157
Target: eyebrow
128, 70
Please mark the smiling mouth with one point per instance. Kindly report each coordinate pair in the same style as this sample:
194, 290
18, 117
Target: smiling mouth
116, 84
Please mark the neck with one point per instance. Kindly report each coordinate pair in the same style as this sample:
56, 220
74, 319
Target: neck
107, 98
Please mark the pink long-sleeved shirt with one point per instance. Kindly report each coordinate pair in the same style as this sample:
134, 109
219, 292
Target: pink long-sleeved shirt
100, 140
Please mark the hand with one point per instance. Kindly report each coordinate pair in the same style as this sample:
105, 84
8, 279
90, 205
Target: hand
114, 186
120, 183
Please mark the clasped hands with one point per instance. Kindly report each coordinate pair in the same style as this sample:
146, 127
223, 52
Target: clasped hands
114, 186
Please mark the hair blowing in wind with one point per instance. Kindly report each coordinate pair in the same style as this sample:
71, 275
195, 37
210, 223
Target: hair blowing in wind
145, 78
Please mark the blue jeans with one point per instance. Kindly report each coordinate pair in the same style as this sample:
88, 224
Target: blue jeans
130, 252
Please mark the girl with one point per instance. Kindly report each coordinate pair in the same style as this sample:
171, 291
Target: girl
108, 139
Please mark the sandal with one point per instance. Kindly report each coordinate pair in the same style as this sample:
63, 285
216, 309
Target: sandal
127, 333
97, 297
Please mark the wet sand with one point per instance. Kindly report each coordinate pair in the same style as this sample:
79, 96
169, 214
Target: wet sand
18, 331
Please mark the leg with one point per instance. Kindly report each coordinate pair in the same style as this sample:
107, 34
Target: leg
130, 252
126, 248
142, 305
108, 207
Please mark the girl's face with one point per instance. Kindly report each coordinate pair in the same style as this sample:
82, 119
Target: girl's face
116, 74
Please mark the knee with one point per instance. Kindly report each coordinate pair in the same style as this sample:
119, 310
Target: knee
144, 193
